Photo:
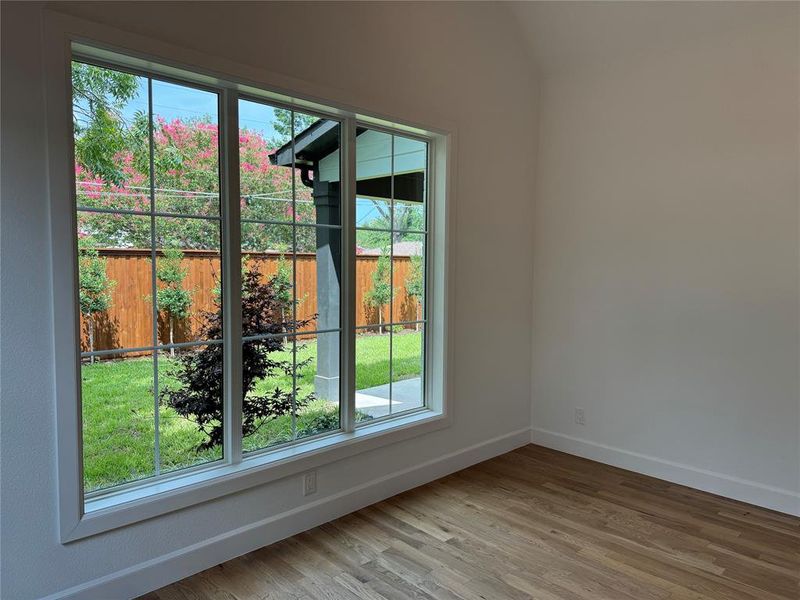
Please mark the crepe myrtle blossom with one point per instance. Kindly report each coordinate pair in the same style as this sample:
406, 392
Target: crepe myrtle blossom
187, 182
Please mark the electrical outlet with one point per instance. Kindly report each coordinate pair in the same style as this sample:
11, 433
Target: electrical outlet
580, 418
310, 483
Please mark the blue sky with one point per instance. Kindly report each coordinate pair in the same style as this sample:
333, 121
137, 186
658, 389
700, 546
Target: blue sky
172, 101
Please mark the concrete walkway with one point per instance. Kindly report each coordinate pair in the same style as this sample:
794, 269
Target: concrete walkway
374, 401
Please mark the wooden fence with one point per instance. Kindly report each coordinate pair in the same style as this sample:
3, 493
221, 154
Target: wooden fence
128, 322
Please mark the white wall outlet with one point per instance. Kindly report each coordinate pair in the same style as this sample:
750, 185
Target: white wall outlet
310, 483
580, 418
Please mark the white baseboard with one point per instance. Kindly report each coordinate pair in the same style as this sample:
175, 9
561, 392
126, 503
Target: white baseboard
163, 570
752, 492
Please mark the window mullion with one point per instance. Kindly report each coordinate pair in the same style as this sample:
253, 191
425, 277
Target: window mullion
294, 278
391, 275
153, 278
347, 367
231, 277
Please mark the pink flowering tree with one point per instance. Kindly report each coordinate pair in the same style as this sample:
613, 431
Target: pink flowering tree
186, 182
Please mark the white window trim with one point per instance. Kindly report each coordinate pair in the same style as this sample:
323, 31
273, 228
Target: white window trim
152, 498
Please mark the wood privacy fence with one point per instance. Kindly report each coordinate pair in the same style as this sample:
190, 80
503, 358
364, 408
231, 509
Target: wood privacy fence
129, 324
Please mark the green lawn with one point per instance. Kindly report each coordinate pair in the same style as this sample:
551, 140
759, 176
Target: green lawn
118, 423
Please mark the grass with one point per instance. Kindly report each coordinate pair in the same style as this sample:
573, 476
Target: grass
118, 410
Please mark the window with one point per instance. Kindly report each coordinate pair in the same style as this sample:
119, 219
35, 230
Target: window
251, 279
147, 189
291, 274
390, 221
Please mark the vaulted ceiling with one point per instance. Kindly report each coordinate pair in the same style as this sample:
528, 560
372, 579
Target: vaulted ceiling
566, 34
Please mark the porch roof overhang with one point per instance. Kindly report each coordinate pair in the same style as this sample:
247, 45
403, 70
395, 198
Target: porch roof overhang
311, 145
320, 141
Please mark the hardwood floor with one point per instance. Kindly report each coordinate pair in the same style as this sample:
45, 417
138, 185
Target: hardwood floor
533, 523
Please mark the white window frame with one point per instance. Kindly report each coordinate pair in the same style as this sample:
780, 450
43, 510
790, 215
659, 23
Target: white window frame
65, 35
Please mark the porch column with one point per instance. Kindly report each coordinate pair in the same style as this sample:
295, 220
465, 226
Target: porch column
329, 253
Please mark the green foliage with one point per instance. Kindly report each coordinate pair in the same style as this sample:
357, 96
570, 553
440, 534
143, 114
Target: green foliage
118, 427
186, 173
98, 96
415, 280
93, 282
283, 280
407, 217
173, 299
104, 88
112, 171
370, 239
381, 291
283, 125
198, 395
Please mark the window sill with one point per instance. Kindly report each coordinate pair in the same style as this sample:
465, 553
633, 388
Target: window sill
118, 509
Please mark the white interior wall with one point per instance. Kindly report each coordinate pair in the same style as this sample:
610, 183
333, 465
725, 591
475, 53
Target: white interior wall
666, 243
470, 73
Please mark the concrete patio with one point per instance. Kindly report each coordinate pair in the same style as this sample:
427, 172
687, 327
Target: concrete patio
374, 401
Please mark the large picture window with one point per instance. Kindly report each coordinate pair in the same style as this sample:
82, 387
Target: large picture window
236, 297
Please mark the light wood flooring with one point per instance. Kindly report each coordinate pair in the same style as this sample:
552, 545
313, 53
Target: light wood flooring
533, 523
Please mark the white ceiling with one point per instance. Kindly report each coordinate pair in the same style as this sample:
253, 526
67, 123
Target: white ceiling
565, 34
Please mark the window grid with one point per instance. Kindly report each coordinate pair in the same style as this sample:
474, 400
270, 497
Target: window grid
346, 404
154, 348
123, 211
391, 275
294, 280
288, 223
130, 350
153, 281
382, 230
294, 333
404, 323
392, 231
268, 336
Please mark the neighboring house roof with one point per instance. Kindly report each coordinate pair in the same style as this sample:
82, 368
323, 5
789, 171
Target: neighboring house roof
400, 249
